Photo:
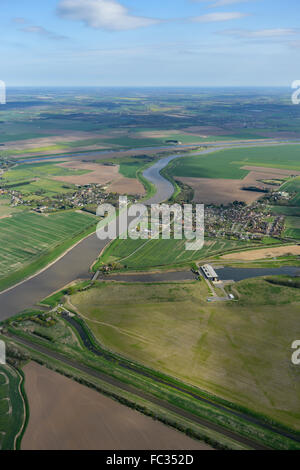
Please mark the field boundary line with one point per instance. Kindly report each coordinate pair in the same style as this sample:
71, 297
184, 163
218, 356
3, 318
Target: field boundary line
46, 267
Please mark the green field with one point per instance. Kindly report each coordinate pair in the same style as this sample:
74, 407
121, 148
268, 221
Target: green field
293, 186
286, 210
129, 166
194, 139
57, 330
240, 351
131, 142
292, 227
143, 254
6, 209
29, 238
72, 349
12, 409
228, 163
39, 177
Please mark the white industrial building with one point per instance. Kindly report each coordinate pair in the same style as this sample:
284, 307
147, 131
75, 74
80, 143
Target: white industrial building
209, 272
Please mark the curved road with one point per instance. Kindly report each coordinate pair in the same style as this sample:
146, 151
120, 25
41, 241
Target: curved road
76, 263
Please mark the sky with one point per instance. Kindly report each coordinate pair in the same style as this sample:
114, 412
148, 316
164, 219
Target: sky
149, 42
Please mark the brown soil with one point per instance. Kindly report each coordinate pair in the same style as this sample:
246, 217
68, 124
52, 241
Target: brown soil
219, 191
122, 185
271, 172
65, 415
101, 174
264, 253
225, 191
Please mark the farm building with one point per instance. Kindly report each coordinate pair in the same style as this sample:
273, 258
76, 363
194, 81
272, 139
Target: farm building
209, 272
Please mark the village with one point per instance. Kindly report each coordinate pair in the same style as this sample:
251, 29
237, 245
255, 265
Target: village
236, 220
243, 222
86, 197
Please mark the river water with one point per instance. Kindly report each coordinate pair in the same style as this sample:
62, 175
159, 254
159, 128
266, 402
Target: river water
77, 262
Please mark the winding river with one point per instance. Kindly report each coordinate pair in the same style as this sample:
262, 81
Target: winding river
76, 263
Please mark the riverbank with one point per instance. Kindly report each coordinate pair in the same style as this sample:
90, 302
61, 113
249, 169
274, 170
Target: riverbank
77, 262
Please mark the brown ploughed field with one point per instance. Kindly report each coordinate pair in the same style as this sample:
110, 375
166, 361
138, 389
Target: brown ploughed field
101, 174
225, 191
65, 415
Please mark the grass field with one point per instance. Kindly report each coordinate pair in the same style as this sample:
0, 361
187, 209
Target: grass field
130, 142
193, 139
228, 163
142, 254
6, 209
11, 407
293, 187
129, 166
286, 210
27, 237
137, 402
240, 351
292, 227
39, 176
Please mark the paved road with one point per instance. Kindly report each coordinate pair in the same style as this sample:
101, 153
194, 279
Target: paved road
76, 263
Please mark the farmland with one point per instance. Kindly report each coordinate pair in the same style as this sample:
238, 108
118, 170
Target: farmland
225, 191
29, 240
6, 210
39, 177
264, 253
286, 210
229, 163
238, 351
143, 254
12, 407
82, 419
293, 186
101, 174
41, 121
292, 227
128, 166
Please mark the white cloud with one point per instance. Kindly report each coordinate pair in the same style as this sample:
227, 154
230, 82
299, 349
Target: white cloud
19, 20
216, 17
42, 32
221, 3
102, 14
36, 29
262, 33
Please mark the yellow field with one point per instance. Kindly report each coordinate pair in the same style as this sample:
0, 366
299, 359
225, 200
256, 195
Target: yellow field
264, 253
